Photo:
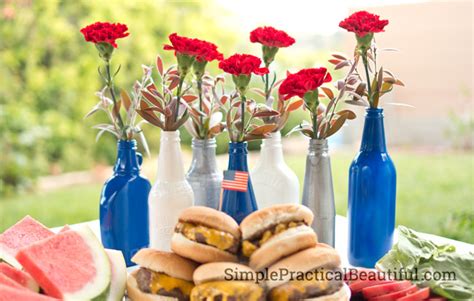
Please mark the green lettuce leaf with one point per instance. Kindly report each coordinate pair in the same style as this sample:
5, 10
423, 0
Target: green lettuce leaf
451, 273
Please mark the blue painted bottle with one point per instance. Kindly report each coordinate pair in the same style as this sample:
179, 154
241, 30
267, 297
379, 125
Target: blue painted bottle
124, 204
238, 204
372, 195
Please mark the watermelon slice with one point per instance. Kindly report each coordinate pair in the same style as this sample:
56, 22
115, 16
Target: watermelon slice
8, 293
71, 265
22, 234
19, 276
7, 281
119, 275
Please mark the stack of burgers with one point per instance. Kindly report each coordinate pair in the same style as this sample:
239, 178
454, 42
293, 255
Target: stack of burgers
280, 259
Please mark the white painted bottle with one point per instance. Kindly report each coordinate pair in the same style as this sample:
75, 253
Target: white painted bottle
273, 181
170, 194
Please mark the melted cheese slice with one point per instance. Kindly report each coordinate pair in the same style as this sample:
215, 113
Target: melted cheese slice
219, 239
168, 283
248, 248
227, 290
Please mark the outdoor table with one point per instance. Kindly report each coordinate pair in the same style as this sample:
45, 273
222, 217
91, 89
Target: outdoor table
341, 238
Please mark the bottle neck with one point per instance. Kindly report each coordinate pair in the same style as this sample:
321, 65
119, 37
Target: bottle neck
271, 150
170, 161
318, 146
238, 156
204, 153
128, 161
373, 136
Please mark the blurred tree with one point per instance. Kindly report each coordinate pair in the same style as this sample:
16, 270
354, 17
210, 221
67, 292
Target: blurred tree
48, 75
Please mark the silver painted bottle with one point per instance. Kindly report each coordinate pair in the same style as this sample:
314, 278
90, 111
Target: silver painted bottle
203, 174
318, 192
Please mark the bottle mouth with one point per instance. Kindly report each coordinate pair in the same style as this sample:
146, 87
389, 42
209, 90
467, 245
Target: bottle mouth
127, 144
318, 144
238, 144
170, 135
204, 143
374, 111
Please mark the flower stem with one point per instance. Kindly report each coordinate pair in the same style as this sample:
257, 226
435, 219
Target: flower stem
202, 131
178, 98
243, 101
267, 92
314, 118
110, 87
369, 88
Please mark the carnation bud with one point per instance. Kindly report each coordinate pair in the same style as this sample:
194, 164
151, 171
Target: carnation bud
199, 68
241, 82
184, 64
269, 54
105, 50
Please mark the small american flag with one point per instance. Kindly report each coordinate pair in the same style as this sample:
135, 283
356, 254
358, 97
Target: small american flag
235, 180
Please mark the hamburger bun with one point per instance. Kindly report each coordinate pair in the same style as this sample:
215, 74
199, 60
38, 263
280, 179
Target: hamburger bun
265, 218
307, 260
198, 252
226, 281
217, 271
165, 262
283, 244
211, 218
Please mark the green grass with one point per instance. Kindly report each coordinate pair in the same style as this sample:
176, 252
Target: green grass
431, 188
56, 208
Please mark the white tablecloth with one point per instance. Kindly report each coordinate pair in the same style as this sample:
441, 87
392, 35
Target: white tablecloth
341, 238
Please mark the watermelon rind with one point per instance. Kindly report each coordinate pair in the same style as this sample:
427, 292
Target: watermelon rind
102, 296
8, 293
119, 275
9, 259
98, 286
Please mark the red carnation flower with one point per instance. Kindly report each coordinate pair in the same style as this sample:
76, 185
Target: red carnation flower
202, 50
104, 32
242, 64
208, 52
363, 23
183, 45
305, 80
271, 37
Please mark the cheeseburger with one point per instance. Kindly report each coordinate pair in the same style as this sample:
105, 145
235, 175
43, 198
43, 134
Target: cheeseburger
275, 232
316, 275
206, 235
162, 276
213, 283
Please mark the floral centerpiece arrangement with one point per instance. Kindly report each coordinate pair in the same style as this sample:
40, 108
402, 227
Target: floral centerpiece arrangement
372, 175
126, 188
244, 122
375, 82
205, 121
274, 181
186, 95
318, 193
